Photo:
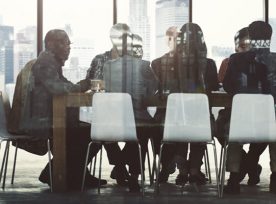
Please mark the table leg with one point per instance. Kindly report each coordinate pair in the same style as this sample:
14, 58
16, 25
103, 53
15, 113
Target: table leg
59, 145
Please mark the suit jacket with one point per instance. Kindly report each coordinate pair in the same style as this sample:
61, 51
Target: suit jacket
167, 68
245, 74
134, 76
36, 85
20, 109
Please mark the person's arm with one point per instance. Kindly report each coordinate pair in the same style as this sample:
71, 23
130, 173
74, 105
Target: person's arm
222, 69
150, 78
45, 72
211, 78
230, 81
156, 68
265, 85
96, 67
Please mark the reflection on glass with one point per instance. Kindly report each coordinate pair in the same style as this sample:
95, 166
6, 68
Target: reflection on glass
121, 38
137, 47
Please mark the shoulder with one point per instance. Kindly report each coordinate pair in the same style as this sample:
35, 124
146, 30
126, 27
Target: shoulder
211, 64
243, 56
45, 58
157, 62
28, 66
145, 63
210, 61
225, 61
103, 56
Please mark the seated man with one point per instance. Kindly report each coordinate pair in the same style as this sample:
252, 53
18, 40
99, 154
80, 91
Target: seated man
32, 108
130, 74
247, 72
251, 158
185, 70
95, 71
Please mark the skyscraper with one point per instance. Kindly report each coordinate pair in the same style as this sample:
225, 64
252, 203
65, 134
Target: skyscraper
81, 55
25, 47
139, 23
169, 13
6, 53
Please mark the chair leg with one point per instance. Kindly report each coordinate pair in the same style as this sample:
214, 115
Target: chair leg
3, 162
95, 162
90, 166
50, 165
141, 167
6, 164
220, 161
100, 169
208, 165
86, 161
205, 163
14, 162
154, 169
216, 166
153, 163
149, 166
223, 170
156, 189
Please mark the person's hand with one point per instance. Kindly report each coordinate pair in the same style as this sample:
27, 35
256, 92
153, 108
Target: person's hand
85, 85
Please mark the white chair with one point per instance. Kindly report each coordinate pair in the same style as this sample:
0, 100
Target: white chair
8, 137
252, 121
187, 120
112, 121
9, 88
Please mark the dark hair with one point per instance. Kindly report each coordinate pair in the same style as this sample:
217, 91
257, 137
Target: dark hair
260, 30
242, 33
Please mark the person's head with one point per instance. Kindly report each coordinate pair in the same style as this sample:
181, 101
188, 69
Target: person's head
58, 42
137, 46
171, 35
241, 40
121, 38
260, 34
191, 40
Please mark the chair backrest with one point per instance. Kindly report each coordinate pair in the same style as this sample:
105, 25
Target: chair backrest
187, 118
10, 88
252, 118
113, 118
4, 112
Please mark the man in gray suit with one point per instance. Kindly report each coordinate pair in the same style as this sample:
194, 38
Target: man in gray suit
130, 74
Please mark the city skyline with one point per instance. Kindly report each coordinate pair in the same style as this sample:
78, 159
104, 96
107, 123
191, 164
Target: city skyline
148, 18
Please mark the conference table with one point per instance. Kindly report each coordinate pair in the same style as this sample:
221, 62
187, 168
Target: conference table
60, 105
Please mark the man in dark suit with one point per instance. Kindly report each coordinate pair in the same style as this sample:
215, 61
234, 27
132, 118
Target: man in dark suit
248, 72
34, 97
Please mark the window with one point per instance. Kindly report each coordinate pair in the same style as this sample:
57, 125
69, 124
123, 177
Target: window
272, 22
87, 24
220, 20
17, 37
150, 19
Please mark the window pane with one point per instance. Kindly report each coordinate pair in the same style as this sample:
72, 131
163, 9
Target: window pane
87, 24
17, 37
150, 19
272, 22
220, 20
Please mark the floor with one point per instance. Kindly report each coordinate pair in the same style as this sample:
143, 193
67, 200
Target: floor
27, 189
